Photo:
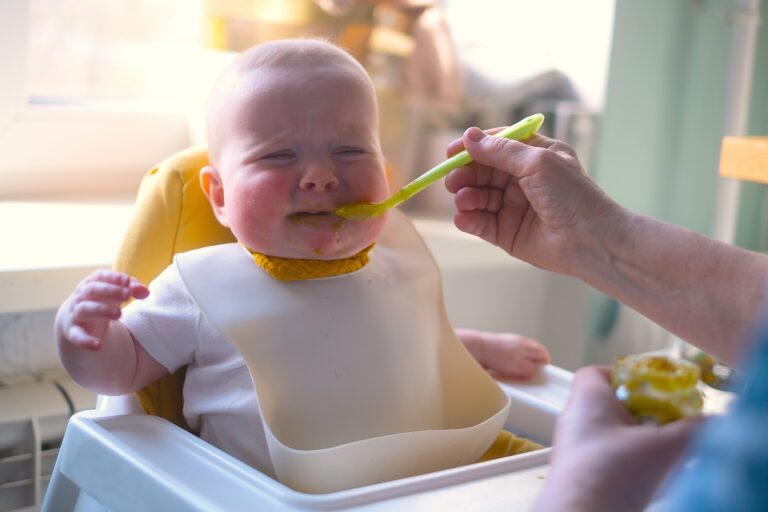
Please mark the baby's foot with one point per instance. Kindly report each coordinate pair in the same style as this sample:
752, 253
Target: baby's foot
505, 355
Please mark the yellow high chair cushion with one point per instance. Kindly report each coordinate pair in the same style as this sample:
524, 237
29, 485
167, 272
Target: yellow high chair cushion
508, 444
171, 215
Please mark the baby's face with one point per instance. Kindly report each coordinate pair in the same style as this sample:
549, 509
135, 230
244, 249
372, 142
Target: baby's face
295, 145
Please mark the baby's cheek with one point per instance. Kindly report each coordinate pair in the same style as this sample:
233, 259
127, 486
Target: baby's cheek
262, 204
370, 185
380, 188
372, 228
271, 194
276, 182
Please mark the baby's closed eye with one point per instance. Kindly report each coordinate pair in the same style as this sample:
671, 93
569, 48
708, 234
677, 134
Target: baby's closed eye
283, 154
349, 151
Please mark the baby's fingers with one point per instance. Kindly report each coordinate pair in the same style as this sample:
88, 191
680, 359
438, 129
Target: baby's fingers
78, 337
90, 311
110, 276
536, 352
102, 291
138, 290
121, 280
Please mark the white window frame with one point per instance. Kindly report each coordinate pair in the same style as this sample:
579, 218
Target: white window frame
59, 151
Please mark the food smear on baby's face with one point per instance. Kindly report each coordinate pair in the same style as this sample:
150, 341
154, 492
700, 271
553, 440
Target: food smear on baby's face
658, 389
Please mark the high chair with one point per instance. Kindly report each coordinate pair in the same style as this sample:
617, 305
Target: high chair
118, 458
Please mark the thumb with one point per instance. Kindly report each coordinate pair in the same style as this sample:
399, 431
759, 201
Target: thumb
503, 154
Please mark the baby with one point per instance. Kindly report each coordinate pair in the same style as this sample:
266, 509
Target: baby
313, 331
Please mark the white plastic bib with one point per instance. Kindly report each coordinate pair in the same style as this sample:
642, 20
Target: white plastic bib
360, 377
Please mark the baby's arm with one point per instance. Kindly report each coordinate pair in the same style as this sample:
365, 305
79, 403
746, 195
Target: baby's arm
97, 350
505, 355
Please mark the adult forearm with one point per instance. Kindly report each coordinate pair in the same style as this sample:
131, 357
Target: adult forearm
110, 370
704, 291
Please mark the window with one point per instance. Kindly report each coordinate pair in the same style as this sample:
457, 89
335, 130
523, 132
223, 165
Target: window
98, 92
509, 39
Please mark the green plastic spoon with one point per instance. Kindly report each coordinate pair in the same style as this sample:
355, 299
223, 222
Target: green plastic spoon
518, 131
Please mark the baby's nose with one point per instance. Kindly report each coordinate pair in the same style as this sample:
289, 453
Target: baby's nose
319, 178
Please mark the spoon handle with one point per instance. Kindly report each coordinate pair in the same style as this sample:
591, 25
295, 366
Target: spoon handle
518, 131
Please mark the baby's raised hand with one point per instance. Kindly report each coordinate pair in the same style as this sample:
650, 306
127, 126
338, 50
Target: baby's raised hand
505, 355
84, 317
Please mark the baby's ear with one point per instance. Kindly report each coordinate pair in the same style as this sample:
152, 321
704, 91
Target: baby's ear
210, 182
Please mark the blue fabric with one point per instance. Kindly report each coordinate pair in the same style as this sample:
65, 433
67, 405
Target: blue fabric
730, 471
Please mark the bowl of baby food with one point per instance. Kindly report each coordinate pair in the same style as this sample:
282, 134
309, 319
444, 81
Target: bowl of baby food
657, 388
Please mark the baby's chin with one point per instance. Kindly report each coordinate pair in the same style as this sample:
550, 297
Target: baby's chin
330, 241
323, 248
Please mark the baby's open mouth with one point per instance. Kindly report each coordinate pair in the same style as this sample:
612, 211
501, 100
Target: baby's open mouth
314, 216
312, 213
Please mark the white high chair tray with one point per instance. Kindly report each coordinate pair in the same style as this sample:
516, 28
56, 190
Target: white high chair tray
139, 462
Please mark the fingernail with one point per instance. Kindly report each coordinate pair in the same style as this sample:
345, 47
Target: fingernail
475, 134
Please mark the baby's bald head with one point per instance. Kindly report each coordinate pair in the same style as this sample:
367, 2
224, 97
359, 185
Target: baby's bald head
244, 75
293, 52
293, 131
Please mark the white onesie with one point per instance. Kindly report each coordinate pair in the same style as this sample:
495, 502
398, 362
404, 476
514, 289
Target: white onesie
219, 398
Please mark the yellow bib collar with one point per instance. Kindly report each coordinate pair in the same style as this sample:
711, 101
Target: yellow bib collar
296, 269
